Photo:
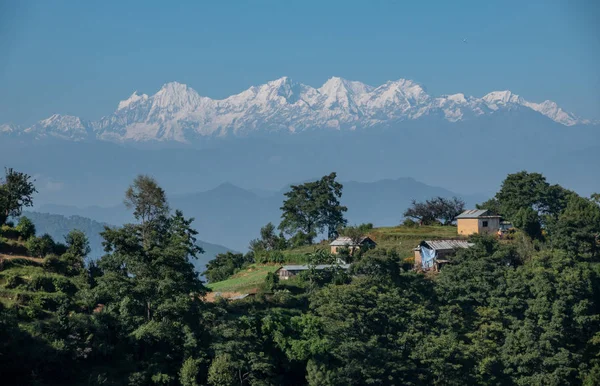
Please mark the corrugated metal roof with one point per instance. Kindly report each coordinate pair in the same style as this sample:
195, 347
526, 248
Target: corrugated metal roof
239, 297
347, 241
475, 213
447, 244
319, 267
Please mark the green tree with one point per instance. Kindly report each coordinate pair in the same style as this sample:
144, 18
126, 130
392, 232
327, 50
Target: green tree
221, 372
78, 247
40, 246
16, 192
148, 201
77, 243
26, 228
271, 281
577, 229
148, 283
268, 240
313, 207
225, 265
528, 221
438, 208
530, 190
356, 232
190, 371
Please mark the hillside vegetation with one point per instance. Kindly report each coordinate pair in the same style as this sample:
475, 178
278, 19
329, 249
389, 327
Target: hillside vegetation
522, 311
401, 239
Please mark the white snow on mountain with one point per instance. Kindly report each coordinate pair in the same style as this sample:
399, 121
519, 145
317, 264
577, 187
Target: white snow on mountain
178, 113
9, 128
60, 126
132, 100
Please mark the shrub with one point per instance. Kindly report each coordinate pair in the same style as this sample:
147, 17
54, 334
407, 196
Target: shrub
13, 281
271, 282
64, 285
42, 283
26, 228
301, 239
9, 231
53, 263
264, 257
409, 223
40, 246
59, 249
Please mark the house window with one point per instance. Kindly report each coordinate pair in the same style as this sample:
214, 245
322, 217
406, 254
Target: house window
484, 224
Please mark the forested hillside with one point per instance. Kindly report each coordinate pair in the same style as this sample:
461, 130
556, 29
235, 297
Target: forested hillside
517, 310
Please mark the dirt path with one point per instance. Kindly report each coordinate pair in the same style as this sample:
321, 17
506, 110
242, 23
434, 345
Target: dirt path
12, 257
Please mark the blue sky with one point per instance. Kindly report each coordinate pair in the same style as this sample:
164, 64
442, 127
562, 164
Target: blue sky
81, 58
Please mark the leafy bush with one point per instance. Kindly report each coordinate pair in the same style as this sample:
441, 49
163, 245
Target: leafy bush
409, 223
53, 263
62, 284
13, 281
42, 283
225, 265
271, 282
301, 239
26, 228
264, 257
40, 246
9, 231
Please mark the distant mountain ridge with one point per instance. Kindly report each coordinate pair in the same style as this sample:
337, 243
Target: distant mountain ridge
178, 113
232, 216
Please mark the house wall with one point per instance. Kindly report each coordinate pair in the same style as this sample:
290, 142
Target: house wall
335, 249
467, 226
284, 274
417, 259
493, 224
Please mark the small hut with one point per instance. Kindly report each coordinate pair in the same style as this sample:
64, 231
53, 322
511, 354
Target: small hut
347, 243
432, 254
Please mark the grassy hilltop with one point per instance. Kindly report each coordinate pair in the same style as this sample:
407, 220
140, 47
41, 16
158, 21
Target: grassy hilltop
400, 238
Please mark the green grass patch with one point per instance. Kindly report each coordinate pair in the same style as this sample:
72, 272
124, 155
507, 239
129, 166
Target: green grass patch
401, 238
246, 279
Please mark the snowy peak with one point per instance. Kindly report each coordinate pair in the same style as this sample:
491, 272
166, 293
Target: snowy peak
340, 86
340, 96
402, 92
176, 96
60, 126
9, 128
502, 97
132, 100
552, 111
177, 112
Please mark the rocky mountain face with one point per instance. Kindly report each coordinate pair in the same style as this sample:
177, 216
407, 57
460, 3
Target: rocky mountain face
178, 113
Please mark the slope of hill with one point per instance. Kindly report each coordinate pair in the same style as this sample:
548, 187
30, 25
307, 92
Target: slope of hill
400, 238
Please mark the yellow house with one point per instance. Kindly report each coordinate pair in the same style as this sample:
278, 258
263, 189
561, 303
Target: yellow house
477, 221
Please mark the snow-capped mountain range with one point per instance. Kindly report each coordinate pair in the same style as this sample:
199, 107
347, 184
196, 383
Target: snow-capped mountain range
178, 113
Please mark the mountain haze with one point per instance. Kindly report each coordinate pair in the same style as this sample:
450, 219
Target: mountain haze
232, 216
